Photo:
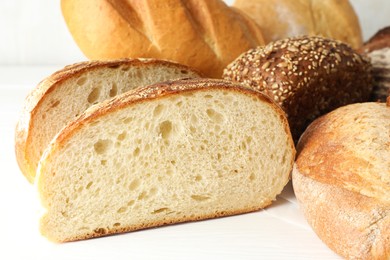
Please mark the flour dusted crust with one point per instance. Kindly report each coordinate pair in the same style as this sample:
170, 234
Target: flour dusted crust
341, 179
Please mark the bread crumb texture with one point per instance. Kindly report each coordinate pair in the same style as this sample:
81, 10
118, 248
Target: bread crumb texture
165, 158
306, 76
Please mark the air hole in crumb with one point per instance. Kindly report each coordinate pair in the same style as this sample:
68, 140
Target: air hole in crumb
142, 196
165, 129
102, 146
103, 162
173, 162
179, 104
208, 96
219, 156
134, 184
153, 191
100, 231
113, 90
130, 203
157, 110
122, 136
200, 197
160, 210
136, 152
89, 185
127, 120
122, 210
94, 95
64, 214
81, 81
117, 224
194, 119
185, 72
198, 178
192, 129
56, 103
214, 115
252, 177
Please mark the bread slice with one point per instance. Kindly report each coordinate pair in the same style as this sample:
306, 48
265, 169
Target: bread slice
67, 93
342, 180
169, 153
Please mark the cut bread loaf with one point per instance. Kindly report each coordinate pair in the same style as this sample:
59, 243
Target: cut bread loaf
67, 93
342, 179
173, 152
335, 19
306, 76
204, 34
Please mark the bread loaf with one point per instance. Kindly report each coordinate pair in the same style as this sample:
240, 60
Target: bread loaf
378, 50
280, 19
64, 95
169, 153
204, 34
307, 76
342, 179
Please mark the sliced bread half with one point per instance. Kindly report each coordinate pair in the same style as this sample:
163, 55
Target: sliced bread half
67, 93
179, 151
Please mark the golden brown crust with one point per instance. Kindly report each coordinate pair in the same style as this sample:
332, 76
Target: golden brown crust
335, 19
36, 96
306, 76
204, 34
342, 179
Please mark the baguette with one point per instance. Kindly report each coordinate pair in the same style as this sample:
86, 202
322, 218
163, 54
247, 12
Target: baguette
64, 95
173, 152
335, 19
341, 179
306, 76
203, 34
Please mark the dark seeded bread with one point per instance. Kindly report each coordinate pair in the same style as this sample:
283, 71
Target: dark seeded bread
307, 76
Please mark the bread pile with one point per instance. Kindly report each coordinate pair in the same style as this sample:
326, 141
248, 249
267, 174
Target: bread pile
121, 145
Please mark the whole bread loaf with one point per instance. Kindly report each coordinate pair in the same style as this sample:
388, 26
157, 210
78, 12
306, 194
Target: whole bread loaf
341, 179
204, 34
306, 76
335, 19
378, 50
61, 97
173, 152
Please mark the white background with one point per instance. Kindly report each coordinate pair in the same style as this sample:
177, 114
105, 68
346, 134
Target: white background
34, 42
33, 31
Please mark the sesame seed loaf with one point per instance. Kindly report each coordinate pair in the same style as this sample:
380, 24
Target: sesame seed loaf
341, 179
67, 93
378, 50
306, 76
178, 151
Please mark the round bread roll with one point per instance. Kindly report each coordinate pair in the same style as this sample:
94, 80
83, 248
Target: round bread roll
341, 179
203, 34
378, 50
280, 19
306, 76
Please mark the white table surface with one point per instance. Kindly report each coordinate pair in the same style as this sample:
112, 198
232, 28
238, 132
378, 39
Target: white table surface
277, 232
